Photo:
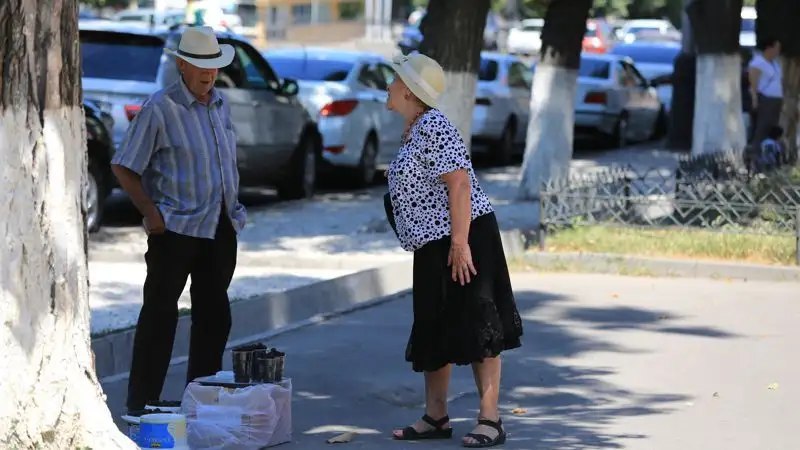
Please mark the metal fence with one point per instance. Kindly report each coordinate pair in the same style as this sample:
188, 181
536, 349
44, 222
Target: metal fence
746, 192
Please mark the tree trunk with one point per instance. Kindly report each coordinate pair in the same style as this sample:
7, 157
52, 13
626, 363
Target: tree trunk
453, 36
49, 396
718, 122
790, 116
548, 150
683, 85
778, 19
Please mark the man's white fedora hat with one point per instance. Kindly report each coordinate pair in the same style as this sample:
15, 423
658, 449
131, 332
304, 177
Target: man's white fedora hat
423, 76
199, 47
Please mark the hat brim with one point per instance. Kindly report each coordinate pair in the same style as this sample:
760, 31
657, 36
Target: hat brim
219, 62
408, 80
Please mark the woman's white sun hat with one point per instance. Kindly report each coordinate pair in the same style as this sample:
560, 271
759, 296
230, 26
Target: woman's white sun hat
423, 76
199, 47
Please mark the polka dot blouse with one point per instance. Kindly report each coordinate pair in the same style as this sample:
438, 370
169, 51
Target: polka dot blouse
419, 195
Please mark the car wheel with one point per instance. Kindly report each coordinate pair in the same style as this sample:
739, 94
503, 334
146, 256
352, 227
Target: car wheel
504, 152
368, 164
93, 197
302, 179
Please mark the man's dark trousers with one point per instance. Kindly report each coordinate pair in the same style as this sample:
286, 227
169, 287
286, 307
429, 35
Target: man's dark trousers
171, 258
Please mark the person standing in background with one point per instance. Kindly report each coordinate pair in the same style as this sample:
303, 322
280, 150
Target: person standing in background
766, 90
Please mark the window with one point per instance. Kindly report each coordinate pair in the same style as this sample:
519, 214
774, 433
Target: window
532, 27
351, 10
301, 14
386, 73
637, 77
257, 72
519, 76
120, 56
369, 77
488, 70
248, 14
594, 68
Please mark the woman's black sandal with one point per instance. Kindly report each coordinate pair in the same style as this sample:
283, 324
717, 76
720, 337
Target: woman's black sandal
410, 434
483, 441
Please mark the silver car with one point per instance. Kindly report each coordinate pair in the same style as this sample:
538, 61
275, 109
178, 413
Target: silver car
615, 101
345, 91
278, 143
502, 106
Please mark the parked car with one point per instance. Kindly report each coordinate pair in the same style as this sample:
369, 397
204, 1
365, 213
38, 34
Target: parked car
278, 142
502, 106
614, 101
633, 29
147, 17
526, 39
345, 91
99, 149
655, 61
599, 36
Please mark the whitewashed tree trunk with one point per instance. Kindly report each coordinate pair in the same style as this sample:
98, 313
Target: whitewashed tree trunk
453, 36
49, 395
718, 121
550, 130
548, 148
458, 101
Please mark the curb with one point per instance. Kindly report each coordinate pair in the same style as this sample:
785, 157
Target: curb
637, 265
264, 316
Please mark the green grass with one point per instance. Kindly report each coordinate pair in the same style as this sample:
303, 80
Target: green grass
675, 243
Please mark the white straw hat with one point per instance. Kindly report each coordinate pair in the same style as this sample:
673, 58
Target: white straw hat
199, 47
423, 76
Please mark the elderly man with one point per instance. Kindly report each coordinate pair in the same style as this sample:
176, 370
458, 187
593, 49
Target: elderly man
178, 165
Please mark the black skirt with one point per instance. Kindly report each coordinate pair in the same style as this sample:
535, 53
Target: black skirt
456, 324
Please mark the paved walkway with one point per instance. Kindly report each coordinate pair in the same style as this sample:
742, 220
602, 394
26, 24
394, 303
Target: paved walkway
288, 244
608, 362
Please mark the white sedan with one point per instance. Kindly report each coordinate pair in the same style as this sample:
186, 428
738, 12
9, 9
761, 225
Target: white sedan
526, 39
346, 92
615, 101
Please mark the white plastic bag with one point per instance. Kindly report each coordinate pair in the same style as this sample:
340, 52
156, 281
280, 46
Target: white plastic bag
237, 419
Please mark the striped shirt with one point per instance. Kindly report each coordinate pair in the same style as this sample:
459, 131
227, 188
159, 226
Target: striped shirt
185, 152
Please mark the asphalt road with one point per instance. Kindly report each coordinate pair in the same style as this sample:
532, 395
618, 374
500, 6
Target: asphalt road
607, 362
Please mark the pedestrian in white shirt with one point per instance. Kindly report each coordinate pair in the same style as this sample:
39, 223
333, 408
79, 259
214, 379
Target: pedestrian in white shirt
766, 89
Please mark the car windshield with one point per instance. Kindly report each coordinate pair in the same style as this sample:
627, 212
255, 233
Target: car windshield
120, 56
590, 31
310, 69
749, 25
488, 70
648, 54
594, 68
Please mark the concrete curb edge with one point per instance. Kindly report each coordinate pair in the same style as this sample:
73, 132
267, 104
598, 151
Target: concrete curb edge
636, 265
263, 316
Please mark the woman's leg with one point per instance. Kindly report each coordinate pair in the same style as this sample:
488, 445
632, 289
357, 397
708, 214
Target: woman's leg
436, 386
487, 380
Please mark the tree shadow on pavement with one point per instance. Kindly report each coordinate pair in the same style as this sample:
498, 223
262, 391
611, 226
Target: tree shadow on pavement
561, 389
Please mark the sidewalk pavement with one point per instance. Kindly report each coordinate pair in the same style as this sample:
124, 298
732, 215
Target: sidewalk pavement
607, 362
289, 244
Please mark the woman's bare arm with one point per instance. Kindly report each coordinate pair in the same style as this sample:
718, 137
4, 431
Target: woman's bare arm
459, 194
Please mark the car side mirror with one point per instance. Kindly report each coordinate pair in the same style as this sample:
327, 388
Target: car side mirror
289, 87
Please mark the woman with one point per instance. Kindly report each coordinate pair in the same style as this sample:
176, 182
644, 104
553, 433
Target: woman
766, 90
464, 308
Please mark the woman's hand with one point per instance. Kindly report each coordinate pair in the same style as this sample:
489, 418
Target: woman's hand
460, 260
